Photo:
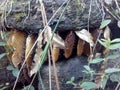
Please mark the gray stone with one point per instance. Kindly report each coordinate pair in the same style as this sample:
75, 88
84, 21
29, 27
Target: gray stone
66, 69
27, 16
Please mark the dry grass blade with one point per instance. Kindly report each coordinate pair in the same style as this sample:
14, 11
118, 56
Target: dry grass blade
45, 24
118, 86
58, 10
48, 29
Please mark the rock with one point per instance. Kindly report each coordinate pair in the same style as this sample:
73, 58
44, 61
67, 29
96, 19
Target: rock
65, 70
25, 15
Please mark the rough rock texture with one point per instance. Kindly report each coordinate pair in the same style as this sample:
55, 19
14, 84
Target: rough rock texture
25, 15
5, 75
65, 69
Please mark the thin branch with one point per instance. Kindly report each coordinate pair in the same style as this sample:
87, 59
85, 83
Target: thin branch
91, 53
117, 88
34, 46
44, 17
89, 14
103, 12
28, 12
55, 72
58, 10
117, 5
50, 83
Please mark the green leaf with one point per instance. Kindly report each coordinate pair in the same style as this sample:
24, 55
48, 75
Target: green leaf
96, 60
115, 40
4, 86
88, 85
2, 43
10, 67
115, 77
85, 71
26, 88
32, 88
104, 81
87, 67
102, 43
112, 70
72, 78
113, 56
104, 23
68, 82
2, 55
4, 34
15, 72
114, 46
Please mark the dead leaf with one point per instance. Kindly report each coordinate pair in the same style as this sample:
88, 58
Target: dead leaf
36, 58
86, 50
107, 33
17, 41
58, 41
28, 55
55, 53
80, 46
8, 45
69, 43
86, 36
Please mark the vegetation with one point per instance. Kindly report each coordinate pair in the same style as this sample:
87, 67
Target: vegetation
105, 73
95, 79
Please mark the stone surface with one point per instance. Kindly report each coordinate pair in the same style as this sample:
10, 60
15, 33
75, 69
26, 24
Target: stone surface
75, 18
25, 15
65, 70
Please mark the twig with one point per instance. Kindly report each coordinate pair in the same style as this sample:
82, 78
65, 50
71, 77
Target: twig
25, 61
43, 31
91, 53
103, 12
34, 46
55, 72
111, 13
44, 17
50, 83
117, 88
89, 14
97, 40
28, 12
117, 5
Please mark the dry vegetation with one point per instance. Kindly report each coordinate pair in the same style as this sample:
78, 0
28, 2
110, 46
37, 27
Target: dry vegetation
20, 47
